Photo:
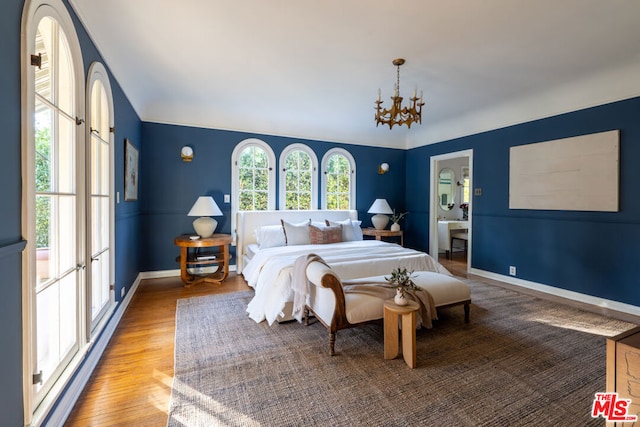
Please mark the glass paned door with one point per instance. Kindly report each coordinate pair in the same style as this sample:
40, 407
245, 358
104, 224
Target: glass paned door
57, 277
99, 219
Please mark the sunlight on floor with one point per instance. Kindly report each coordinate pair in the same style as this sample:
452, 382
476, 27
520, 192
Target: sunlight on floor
611, 328
206, 411
162, 391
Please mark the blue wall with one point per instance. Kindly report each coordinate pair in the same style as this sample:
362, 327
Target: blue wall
171, 186
588, 252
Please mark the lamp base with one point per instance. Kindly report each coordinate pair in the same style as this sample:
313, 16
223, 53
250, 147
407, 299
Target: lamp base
379, 221
205, 226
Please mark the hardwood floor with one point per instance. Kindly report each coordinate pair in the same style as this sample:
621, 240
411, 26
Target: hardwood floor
132, 382
457, 265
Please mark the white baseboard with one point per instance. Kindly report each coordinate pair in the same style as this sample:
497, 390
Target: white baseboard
597, 304
63, 407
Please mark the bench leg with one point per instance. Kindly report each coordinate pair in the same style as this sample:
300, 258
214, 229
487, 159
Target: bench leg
332, 343
466, 312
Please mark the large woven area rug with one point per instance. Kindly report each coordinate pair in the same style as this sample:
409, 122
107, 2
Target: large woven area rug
522, 361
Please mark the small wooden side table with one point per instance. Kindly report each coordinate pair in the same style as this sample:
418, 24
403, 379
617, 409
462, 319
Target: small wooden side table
379, 234
408, 313
196, 258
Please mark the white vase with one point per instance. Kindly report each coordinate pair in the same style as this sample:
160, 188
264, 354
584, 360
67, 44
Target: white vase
400, 298
395, 227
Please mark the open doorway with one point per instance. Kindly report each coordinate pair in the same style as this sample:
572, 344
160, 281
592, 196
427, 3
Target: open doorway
450, 207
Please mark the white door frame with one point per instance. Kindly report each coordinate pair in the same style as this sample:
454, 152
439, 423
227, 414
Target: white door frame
433, 205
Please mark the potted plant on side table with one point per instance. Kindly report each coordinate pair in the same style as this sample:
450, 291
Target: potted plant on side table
401, 279
395, 219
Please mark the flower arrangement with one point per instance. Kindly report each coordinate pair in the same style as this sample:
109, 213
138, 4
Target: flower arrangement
465, 211
396, 217
401, 279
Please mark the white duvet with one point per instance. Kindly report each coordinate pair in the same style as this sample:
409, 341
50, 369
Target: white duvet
269, 271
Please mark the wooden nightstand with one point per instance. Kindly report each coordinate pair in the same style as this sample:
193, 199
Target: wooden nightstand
379, 234
192, 255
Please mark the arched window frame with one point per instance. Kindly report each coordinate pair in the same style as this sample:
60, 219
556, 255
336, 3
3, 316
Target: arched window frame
352, 181
98, 73
33, 12
235, 178
283, 173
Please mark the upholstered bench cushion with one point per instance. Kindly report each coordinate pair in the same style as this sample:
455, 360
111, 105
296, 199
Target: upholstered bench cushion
444, 289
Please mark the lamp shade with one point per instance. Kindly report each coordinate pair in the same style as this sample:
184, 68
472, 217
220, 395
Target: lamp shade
380, 206
381, 209
204, 208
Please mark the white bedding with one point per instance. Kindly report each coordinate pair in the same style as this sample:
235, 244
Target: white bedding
269, 271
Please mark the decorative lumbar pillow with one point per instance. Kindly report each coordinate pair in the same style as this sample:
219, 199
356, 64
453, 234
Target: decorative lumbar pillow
351, 230
270, 236
328, 234
296, 234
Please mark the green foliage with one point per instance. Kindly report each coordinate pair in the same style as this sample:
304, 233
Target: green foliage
338, 182
253, 174
43, 184
298, 181
396, 217
402, 279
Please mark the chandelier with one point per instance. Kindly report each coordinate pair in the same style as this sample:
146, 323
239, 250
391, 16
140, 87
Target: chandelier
397, 114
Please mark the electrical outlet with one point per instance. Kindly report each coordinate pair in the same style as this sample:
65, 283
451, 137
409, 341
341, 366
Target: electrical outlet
122, 292
227, 198
512, 270
477, 192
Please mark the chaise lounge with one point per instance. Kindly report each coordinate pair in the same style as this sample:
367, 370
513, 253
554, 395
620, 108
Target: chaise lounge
337, 309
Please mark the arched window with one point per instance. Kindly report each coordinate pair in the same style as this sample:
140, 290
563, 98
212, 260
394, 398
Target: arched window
298, 178
53, 203
253, 180
100, 236
338, 180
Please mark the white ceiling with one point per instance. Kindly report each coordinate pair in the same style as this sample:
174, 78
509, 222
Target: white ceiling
312, 69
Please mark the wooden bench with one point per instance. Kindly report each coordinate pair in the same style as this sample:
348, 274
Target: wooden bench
337, 310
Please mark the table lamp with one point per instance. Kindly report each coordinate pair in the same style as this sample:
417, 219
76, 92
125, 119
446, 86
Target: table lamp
381, 209
204, 208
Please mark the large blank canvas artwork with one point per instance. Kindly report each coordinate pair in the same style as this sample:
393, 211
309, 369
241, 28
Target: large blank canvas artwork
579, 173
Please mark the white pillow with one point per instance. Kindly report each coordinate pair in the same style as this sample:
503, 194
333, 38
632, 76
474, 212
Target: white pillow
351, 230
296, 234
319, 224
270, 236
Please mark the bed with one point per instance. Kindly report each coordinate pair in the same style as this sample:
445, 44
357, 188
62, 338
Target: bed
266, 262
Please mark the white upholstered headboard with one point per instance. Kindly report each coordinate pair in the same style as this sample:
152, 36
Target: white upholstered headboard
248, 221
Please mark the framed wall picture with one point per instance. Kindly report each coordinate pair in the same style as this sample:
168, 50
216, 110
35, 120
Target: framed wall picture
130, 171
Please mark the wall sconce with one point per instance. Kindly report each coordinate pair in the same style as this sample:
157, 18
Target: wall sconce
186, 153
383, 168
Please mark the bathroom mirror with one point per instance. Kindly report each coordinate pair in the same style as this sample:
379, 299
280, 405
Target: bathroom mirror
446, 189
